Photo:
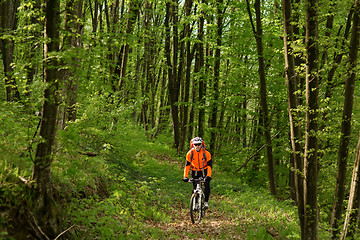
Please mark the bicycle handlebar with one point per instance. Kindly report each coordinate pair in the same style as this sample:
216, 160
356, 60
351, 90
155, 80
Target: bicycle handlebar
201, 179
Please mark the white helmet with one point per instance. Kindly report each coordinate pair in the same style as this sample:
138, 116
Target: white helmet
197, 140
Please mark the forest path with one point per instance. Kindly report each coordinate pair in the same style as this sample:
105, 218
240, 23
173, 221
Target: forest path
236, 210
217, 223
223, 219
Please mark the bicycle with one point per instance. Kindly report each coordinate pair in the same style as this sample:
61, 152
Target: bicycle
197, 206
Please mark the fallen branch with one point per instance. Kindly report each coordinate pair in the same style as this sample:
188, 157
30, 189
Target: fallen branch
38, 227
24, 180
68, 229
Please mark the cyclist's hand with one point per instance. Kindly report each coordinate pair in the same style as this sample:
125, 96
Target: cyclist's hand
207, 179
185, 179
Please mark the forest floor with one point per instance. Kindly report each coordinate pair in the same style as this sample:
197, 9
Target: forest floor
134, 190
226, 218
213, 226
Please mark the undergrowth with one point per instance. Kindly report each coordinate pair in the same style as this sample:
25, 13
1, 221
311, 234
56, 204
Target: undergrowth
113, 182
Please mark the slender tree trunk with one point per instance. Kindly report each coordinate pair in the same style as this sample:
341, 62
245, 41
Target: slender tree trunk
172, 86
134, 9
353, 207
330, 83
8, 23
73, 12
214, 110
175, 80
31, 67
263, 98
351, 223
311, 140
201, 103
346, 125
148, 80
193, 92
293, 103
45, 209
186, 86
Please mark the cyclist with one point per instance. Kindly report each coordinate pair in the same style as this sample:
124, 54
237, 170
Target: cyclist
199, 160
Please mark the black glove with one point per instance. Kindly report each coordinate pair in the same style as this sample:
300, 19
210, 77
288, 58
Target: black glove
185, 179
207, 179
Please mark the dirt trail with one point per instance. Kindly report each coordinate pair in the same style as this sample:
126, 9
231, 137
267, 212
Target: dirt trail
216, 225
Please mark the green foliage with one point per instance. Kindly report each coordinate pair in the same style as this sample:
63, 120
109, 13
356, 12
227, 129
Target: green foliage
114, 179
17, 129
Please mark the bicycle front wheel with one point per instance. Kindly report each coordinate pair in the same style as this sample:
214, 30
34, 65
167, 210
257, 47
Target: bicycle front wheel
195, 208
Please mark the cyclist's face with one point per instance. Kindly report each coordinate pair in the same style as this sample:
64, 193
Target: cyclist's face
197, 147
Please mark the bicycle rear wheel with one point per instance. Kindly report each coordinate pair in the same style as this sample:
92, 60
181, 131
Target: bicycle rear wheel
195, 208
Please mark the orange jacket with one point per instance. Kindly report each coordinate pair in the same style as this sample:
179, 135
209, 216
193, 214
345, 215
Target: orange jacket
198, 162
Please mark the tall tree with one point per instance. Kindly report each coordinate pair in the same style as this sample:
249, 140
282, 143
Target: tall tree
199, 65
71, 42
189, 55
32, 46
257, 31
45, 209
8, 23
311, 140
171, 60
346, 124
353, 207
293, 103
134, 9
214, 110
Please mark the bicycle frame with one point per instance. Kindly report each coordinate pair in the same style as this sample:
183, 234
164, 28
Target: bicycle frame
197, 210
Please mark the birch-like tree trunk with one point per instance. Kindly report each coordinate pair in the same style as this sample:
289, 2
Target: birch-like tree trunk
353, 207
293, 103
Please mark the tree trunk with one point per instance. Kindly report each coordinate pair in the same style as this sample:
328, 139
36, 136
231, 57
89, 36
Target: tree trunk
201, 61
45, 209
8, 24
186, 86
353, 207
31, 67
172, 86
214, 109
311, 140
112, 19
134, 9
293, 103
73, 12
148, 80
346, 125
193, 92
263, 98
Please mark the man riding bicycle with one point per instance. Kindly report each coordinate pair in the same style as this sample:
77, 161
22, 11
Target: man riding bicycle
199, 160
